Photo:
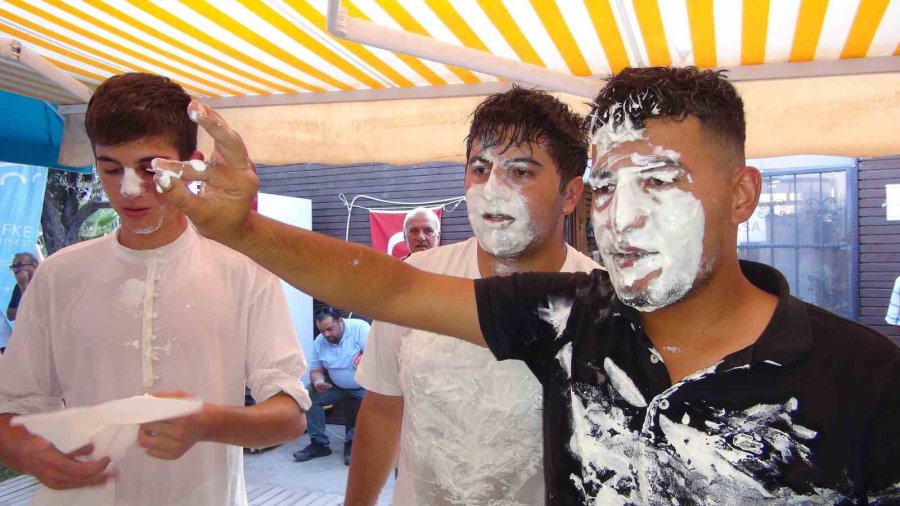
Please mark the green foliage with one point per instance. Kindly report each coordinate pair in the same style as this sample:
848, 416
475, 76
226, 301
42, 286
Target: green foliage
6, 474
102, 222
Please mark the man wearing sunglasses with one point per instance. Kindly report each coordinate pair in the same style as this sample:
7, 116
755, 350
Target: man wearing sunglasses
22, 267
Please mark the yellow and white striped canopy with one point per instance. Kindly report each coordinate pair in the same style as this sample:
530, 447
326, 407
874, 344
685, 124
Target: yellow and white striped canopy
239, 53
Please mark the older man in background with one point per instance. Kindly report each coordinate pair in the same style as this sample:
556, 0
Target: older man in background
421, 229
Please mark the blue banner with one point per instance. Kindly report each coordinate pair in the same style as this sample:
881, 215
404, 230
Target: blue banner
21, 202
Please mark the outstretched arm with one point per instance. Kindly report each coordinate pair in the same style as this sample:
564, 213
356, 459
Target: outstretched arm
348, 275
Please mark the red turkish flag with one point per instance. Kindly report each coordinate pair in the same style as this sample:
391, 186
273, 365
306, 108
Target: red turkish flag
387, 231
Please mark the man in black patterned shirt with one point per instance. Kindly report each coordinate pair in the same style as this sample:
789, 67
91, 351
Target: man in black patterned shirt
683, 376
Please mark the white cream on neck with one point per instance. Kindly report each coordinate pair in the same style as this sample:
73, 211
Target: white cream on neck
150, 229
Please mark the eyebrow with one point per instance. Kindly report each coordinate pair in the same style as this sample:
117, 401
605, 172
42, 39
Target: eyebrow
522, 159
479, 158
146, 159
666, 165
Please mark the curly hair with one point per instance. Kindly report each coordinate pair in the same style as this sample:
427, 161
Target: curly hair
132, 106
523, 116
673, 93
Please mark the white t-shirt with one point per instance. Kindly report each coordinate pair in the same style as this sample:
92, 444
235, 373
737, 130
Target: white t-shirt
101, 322
893, 313
471, 430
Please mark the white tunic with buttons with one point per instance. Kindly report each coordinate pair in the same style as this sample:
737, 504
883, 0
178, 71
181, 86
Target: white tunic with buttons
102, 322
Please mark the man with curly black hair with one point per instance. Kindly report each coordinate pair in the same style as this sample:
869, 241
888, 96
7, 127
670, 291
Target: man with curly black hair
428, 395
683, 376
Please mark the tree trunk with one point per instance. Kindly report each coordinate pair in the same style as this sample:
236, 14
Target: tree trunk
61, 228
77, 220
54, 232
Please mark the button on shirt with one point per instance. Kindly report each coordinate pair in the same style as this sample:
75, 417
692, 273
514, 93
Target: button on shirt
807, 414
337, 359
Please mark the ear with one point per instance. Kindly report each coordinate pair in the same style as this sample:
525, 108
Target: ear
196, 155
746, 185
572, 195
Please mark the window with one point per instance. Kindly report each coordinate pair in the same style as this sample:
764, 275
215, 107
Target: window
805, 226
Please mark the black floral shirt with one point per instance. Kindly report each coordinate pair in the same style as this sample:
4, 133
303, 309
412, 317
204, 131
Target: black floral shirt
808, 414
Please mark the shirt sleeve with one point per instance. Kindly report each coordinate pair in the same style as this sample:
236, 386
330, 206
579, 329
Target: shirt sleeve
275, 361
525, 316
379, 369
363, 336
28, 381
883, 446
893, 313
315, 363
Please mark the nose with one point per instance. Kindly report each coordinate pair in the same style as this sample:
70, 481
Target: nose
628, 208
493, 188
132, 184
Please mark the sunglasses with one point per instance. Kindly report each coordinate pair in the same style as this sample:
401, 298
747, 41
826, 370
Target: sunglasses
19, 266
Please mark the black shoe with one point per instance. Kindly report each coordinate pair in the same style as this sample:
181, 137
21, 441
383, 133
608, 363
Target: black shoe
313, 451
347, 447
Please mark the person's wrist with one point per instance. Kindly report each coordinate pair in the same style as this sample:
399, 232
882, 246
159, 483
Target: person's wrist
246, 227
205, 422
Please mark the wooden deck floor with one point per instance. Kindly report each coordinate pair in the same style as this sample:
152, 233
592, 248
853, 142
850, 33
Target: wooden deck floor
276, 496
19, 490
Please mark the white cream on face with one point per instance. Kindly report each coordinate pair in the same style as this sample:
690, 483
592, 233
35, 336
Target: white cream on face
648, 228
131, 185
149, 229
499, 216
163, 177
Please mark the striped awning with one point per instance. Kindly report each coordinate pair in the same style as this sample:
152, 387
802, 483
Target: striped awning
18, 78
258, 53
235, 48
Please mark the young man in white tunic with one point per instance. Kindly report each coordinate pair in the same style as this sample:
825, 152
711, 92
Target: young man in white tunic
467, 426
152, 308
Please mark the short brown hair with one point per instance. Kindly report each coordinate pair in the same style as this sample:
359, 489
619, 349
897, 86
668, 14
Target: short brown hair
521, 116
132, 106
674, 93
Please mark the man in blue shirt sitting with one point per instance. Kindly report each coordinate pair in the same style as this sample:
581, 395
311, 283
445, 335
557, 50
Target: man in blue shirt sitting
336, 351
